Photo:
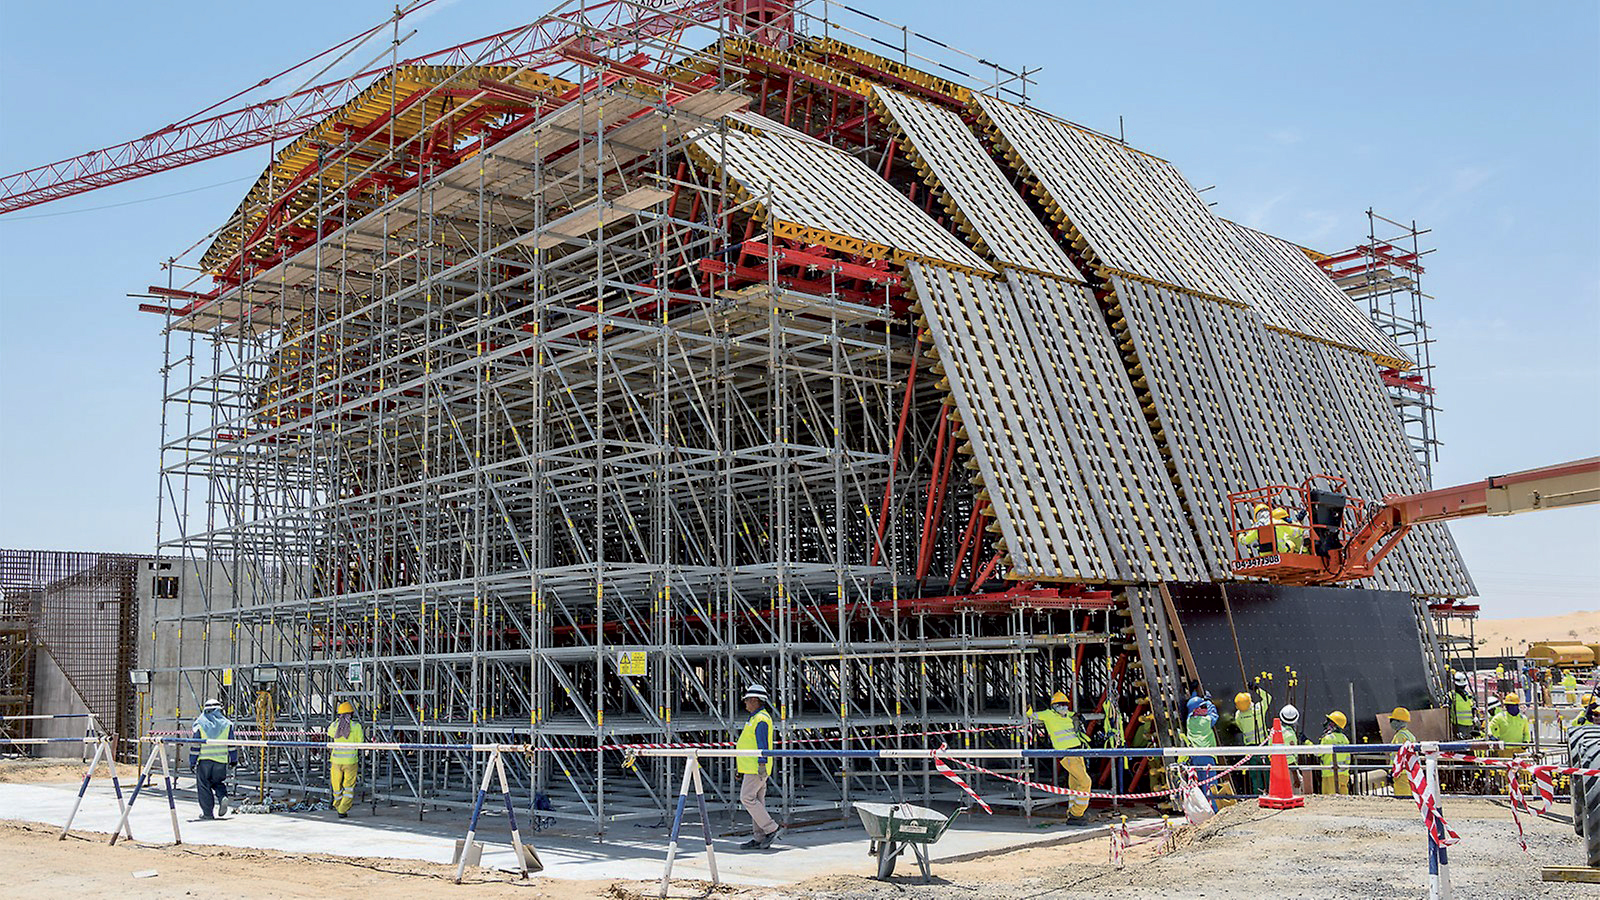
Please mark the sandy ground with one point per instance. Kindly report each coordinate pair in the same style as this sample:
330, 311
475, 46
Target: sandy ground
1335, 848
1519, 633
41, 771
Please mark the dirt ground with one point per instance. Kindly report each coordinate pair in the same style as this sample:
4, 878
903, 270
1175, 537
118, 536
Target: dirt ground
1336, 848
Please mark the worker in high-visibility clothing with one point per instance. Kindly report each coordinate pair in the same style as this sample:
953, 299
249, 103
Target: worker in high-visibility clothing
1115, 731
1257, 536
1335, 775
1200, 730
754, 771
1401, 720
1462, 708
1569, 684
211, 760
1250, 717
343, 760
1289, 718
1062, 727
1582, 718
1508, 725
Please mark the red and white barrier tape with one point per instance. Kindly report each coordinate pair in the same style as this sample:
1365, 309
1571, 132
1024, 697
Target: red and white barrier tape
1410, 761
960, 782
1121, 840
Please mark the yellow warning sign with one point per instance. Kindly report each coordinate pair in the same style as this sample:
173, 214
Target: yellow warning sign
631, 662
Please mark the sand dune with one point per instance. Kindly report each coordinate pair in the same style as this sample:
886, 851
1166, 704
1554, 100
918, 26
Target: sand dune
1495, 635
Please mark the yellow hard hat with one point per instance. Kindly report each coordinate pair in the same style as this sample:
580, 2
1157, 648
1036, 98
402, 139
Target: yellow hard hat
1337, 718
1148, 717
1259, 508
346, 707
1587, 699
1242, 700
1058, 697
1510, 698
1280, 513
1401, 714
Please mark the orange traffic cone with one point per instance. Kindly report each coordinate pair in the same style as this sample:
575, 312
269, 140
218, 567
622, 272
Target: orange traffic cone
1279, 795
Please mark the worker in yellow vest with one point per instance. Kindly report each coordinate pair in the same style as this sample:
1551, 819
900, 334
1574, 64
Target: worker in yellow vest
1462, 707
1289, 718
210, 760
1569, 685
1335, 766
343, 759
1582, 718
1250, 717
1401, 720
1062, 727
754, 770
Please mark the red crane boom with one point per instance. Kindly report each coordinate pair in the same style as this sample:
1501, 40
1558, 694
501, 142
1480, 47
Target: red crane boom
195, 139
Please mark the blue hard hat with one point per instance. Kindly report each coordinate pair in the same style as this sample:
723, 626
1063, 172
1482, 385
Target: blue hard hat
1194, 704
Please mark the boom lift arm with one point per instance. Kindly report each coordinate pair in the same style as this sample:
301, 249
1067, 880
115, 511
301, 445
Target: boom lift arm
1316, 533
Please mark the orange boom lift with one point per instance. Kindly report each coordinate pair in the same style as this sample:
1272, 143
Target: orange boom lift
1317, 533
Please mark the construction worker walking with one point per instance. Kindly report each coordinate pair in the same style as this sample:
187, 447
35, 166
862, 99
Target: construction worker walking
1335, 775
1250, 717
1462, 708
211, 760
1401, 720
1062, 727
754, 770
343, 760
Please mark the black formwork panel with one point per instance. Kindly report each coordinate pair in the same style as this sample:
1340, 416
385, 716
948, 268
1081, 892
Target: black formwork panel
1332, 637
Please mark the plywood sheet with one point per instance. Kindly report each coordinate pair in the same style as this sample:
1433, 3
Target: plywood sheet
1133, 214
828, 196
1060, 446
973, 187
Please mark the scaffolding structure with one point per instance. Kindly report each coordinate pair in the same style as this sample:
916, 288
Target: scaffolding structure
543, 434
556, 395
1385, 274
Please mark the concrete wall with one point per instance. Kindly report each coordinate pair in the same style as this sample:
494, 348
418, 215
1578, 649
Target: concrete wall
54, 694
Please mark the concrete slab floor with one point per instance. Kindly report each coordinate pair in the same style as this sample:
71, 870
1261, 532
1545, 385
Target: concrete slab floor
632, 853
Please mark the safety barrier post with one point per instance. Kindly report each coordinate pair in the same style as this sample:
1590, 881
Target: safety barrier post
88, 773
477, 809
677, 818
156, 751
511, 817
1438, 854
705, 823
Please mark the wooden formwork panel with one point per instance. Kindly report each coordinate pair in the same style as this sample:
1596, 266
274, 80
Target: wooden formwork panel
1071, 472
1133, 214
1303, 292
1336, 444
1079, 372
1042, 511
974, 190
1432, 550
1210, 458
828, 196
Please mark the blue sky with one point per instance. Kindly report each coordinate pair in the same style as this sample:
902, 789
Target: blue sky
1479, 120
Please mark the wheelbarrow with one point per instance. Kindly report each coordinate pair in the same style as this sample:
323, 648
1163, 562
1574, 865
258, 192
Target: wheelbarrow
894, 827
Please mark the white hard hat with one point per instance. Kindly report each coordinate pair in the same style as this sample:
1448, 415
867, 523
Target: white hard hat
1289, 714
758, 691
1459, 678
213, 703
